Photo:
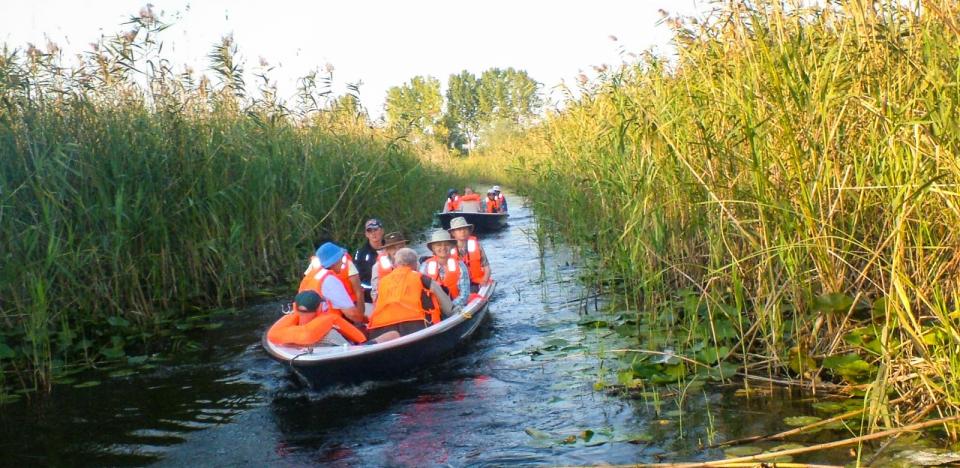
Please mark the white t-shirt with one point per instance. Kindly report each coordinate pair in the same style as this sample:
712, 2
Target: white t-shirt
335, 294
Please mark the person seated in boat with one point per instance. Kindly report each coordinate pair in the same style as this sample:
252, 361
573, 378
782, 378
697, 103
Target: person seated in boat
470, 252
406, 299
502, 200
470, 201
453, 201
329, 275
446, 268
491, 204
308, 325
392, 242
365, 258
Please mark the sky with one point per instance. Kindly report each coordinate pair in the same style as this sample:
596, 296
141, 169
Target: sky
379, 43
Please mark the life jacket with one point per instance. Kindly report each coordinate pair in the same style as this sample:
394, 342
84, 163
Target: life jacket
452, 205
493, 206
344, 275
288, 330
400, 299
474, 259
450, 280
501, 200
384, 265
313, 280
471, 197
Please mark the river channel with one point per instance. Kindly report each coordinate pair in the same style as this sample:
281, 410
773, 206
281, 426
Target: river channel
523, 392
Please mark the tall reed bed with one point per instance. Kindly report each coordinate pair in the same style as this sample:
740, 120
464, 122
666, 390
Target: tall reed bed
784, 194
130, 194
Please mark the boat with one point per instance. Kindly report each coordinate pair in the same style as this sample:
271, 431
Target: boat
323, 366
482, 222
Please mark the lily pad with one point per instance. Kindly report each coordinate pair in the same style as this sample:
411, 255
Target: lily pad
742, 451
87, 384
829, 407
798, 421
122, 373
782, 448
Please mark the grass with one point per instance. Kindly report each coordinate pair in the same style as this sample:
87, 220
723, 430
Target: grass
784, 193
131, 195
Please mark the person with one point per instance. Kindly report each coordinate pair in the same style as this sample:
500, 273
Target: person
470, 201
405, 299
453, 201
346, 271
309, 325
366, 257
391, 243
446, 268
327, 282
501, 199
491, 204
469, 250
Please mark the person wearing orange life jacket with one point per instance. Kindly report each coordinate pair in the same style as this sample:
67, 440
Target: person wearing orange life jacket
502, 200
346, 271
469, 250
309, 326
406, 299
491, 204
453, 201
326, 281
446, 268
392, 242
470, 201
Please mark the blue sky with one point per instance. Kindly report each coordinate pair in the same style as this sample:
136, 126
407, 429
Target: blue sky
381, 43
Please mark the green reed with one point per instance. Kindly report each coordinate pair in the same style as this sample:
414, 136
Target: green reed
785, 190
130, 194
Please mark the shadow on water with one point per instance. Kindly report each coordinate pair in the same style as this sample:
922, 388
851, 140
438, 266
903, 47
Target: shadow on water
521, 393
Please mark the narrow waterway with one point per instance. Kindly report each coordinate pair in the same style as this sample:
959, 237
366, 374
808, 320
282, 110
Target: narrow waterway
523, 392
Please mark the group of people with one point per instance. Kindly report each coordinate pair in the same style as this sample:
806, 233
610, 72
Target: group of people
470, 201
382, 292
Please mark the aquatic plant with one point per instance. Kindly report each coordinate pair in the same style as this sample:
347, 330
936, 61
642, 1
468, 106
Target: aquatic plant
780, 198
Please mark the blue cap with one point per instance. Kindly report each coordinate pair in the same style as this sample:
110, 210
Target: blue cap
329, 254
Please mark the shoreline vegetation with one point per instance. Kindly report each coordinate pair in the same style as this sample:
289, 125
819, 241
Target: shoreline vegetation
778, 205
133, 197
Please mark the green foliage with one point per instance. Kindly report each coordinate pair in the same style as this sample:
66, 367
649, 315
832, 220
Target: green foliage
417, 107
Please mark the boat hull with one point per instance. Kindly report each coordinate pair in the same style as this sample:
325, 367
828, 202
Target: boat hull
482, 222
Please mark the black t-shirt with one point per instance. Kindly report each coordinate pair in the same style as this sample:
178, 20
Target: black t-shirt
364, 258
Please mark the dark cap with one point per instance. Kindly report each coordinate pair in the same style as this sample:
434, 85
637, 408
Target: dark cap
307, 301
394, 238
373, 223
451, 192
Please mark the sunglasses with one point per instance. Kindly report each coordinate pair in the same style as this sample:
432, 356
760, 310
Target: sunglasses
372, 229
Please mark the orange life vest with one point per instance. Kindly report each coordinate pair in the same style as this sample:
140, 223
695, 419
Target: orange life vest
472, 197
313, 280
452, 205
474, 259
384, 265
451, 279
288, 330
399, 299
344, 275
493, 206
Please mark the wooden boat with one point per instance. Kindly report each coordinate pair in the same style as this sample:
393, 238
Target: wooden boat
322, 366
482, 222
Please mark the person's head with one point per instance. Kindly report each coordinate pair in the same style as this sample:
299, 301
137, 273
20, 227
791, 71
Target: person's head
330, 255
440, 243
306, 304
468, 191
392, 242
496, 189
406, 257
491, 194
460, 229
452, 193
373, 229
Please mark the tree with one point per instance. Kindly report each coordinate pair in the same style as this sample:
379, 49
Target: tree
507, 96
416, 107
463, 106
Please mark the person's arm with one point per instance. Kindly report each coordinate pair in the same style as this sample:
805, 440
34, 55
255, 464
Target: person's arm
464, 286
357, 290
485, 266
374, 281
442, 298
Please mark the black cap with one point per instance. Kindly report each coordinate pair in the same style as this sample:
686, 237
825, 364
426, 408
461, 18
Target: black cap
372, 223
307, 301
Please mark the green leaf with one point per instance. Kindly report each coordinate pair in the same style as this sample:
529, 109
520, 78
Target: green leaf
724, 370
118, 321
832, 303
6, 352
89, 383
625, 377
742, 451
838, 361
712, 354
800, 362
829, 407
797, 421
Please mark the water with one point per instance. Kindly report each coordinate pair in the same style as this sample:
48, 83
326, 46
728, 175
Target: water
523, 392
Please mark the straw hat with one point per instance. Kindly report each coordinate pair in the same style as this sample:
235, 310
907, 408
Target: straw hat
459, 222
393, 238
439, 235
